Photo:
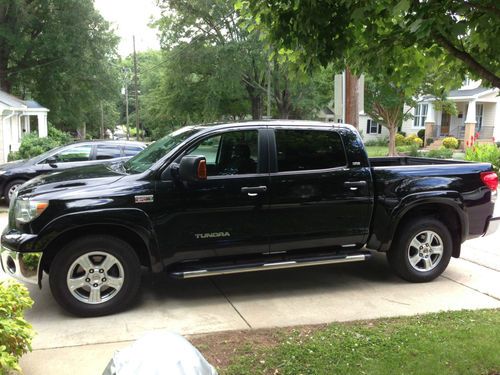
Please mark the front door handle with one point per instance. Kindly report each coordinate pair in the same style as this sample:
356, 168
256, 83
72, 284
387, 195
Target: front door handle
354, 185
253, 191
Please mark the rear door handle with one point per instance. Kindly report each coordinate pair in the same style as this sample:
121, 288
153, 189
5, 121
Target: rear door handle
354, 185
253, 191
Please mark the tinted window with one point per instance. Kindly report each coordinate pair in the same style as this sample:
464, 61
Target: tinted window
131, 150
308, 150
108, 152
74, 154
230, 153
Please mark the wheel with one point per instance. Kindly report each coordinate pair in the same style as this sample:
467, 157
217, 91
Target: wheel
95, 275
421, 250
11, 188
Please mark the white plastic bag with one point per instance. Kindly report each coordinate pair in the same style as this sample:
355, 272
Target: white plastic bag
159, 353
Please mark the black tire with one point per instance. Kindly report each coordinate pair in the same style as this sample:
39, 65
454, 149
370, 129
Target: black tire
9, 186
403, 249
126, 268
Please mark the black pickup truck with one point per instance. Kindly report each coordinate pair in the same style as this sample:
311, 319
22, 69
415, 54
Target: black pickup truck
222, 199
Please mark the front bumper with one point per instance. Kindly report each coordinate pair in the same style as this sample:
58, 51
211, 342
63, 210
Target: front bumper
22, 266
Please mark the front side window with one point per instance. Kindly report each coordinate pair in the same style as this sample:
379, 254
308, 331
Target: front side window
299, 150
74, 154
105, 152
230, 153
419, 116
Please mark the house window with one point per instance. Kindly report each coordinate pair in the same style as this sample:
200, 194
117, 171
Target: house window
372, 127
419, 116
479, 116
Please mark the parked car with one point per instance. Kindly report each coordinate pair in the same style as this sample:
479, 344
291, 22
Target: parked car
236, 198
15, 173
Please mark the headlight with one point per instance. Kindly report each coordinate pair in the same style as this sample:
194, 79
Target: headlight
25, 210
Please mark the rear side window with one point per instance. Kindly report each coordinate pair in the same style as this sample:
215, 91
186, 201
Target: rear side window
302, 150
131, 150
108, 152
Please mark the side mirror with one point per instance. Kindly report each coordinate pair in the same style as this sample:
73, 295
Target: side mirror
52, 161
193, 168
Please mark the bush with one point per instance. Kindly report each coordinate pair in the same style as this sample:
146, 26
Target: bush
15, 332
486, 152
32, 145
451, 142
441, 153
413, 139
421, 134
377, 142
400, 140
402, 133
429, 141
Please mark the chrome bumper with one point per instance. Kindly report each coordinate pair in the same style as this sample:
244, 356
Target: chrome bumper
493, 226
22, 266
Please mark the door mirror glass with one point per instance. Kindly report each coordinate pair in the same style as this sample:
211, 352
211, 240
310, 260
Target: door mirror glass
193, 168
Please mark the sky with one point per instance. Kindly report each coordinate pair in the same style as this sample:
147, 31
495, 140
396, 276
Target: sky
131, 17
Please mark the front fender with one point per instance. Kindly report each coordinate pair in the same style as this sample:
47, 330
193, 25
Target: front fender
130, 219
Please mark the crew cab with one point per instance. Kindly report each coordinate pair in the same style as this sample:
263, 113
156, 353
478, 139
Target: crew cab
222, 199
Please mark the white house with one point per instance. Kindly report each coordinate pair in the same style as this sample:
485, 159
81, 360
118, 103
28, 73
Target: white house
369, 129
478, 112
19, 117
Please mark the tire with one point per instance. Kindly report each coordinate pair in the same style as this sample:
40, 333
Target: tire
7, 193
421, 250
104, 273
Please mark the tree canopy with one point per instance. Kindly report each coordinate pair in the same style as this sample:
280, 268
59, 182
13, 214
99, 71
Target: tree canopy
465, 31
61, 53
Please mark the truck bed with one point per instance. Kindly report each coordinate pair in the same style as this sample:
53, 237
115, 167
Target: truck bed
396, 161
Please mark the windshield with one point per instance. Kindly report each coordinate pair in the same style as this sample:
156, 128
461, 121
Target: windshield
146, 158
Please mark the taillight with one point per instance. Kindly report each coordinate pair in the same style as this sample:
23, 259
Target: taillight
490, 179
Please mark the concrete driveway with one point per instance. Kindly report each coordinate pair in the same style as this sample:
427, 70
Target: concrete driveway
345, 292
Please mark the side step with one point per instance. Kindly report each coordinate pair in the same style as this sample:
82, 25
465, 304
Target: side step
207, 269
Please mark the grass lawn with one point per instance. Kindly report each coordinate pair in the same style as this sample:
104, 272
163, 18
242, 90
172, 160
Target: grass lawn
377, 151
463, 342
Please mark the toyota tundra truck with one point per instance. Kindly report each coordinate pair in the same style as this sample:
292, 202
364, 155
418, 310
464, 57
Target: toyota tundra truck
241, 197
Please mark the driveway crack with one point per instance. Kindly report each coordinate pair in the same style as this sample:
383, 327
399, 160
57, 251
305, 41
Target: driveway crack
229, 301
474, 289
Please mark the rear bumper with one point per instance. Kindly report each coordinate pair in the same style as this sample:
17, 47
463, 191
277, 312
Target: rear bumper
493, 226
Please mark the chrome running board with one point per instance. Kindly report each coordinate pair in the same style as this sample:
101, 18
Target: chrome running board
241, 268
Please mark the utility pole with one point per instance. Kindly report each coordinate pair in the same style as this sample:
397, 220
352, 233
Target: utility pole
137, 119
102, 121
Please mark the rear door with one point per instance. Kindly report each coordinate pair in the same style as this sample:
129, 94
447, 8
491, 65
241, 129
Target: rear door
316, 199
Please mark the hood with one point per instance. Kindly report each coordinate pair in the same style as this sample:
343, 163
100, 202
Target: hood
12, 164
74, 178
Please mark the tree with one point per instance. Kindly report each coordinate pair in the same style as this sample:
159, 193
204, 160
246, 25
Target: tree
60, 52
465, 31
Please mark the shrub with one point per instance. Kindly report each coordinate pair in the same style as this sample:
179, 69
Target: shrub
429, 141
402, 133
400, 139
421, 134
15, 332
441, 153
486, 152
413, 139
451, 142
377, 142
32, 145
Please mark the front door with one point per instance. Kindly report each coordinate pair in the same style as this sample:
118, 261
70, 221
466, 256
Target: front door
317, 201
445, 124
223, 215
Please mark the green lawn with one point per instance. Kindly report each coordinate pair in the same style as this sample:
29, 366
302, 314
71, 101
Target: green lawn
466, 342
377, 151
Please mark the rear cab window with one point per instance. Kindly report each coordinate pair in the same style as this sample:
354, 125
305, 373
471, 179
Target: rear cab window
308, 150
105, 152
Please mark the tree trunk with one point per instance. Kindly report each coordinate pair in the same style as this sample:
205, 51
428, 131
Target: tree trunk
392, 139
255, 101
